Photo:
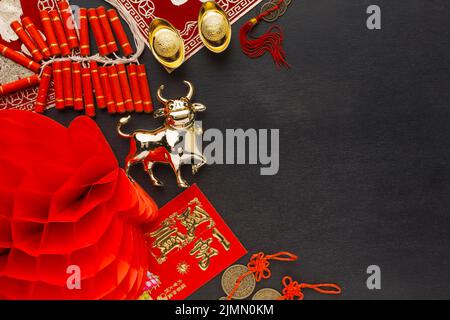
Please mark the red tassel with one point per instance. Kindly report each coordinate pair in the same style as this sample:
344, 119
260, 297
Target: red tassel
271, 41
41, 100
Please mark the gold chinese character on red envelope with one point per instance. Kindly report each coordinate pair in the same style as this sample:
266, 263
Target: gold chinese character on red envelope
189, 245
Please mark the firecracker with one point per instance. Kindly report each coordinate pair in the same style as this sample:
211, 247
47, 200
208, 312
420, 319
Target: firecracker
80, 79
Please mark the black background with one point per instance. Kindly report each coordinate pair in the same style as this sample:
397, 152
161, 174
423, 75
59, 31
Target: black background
364, 145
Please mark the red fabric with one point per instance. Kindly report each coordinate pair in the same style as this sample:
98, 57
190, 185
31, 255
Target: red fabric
65, 201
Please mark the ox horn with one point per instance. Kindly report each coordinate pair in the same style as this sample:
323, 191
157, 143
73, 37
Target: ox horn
160, 97
191, 91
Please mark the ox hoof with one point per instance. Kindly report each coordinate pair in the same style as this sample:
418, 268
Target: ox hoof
183, 185
158, 183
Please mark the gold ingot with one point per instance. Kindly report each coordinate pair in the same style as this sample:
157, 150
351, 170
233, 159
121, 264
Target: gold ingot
166, 43
214, 27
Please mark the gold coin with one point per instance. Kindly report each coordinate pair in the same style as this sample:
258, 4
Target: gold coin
214, 26
231, 275
166, 43
271, 17
266, 294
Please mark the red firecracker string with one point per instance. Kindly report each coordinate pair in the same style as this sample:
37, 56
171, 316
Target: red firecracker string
271, 41
67, 83
36, 37
59, 31
87, 90
98, 32
97, 83
77, 87
19, 84
25, 38
19, 58
120, 33
68, 24
144, 89
117, 91
106, 85
49, 32
44, 86
134, 83
85, 48
126, 91
58, 84
107, 31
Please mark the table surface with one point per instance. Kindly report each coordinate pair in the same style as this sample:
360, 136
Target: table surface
364, 146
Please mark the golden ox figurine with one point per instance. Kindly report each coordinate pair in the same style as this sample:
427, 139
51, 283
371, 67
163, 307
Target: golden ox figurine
175, 143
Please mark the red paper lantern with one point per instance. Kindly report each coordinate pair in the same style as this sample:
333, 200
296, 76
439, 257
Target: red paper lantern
65, 202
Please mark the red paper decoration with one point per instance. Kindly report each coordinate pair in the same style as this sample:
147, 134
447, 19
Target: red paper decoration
65, 202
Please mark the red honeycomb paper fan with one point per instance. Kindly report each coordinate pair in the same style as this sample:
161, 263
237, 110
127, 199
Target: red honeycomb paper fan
65, 201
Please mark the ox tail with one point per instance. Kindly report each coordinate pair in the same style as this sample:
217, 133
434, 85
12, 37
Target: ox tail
122, 122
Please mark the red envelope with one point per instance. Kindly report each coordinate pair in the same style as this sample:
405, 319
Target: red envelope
189, 244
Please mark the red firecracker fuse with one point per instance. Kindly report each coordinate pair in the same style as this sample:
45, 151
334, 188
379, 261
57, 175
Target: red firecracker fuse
58, 84
77, 86
85, 48
50, 33
87, 90
67, 83
19, 85
145, 89
36, 37
19, 58
98, 33
134, 83
117, 91
126, 91
25, 38
107, 31
120, 32
97, 83
41, 100
106, 85
59, 31
68, 24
